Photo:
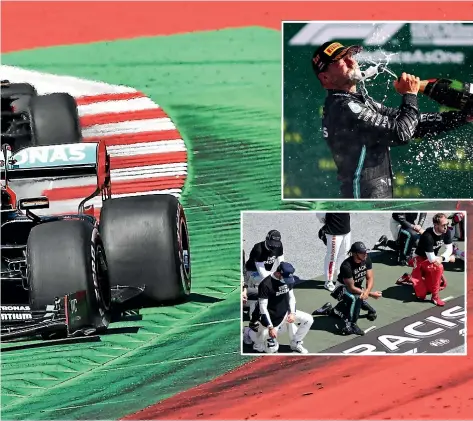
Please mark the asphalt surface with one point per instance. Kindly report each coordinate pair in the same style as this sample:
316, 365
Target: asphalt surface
299, 235
396, 310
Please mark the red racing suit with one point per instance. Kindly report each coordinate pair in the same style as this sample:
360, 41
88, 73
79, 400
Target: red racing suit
427, 278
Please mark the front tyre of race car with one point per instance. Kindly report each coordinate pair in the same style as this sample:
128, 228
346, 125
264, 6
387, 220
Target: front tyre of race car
54, 119
147, 243
64, 257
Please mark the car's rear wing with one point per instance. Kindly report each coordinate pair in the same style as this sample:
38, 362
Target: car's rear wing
57, 161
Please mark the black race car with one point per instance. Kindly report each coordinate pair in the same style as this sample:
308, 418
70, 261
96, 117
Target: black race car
30, 119
66, 274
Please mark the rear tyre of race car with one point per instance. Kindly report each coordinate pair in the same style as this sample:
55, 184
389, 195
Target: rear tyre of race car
54, 120
64, 257
17, 89
147, 243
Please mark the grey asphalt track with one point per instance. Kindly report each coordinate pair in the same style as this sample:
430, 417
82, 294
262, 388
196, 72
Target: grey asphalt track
299, 234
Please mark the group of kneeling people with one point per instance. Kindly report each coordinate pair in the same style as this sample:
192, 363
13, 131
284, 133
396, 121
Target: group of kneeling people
272, 303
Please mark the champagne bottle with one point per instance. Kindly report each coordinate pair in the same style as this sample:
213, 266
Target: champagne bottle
450, 93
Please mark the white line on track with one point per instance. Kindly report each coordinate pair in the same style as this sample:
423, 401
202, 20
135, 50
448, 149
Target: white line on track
370, 329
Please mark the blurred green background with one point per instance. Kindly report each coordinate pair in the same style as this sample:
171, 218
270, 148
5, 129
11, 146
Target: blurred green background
437, 168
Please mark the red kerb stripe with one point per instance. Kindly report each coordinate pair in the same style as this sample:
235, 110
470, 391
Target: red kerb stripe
131, 138
151, 159
118, 187
106, 118
91, 99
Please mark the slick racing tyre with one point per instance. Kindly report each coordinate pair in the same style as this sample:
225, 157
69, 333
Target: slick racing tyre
64, 257
13, 90
54, 120
147, 244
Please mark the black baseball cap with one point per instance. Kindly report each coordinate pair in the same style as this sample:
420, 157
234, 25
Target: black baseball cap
286, 270
273, 239
358, 247
330, 52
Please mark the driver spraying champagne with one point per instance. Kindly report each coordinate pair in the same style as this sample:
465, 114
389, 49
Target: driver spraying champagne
360, 131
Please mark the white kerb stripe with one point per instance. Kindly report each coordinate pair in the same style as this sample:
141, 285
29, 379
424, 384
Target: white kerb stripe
147, 148
122, 105
137, 126
160, 170
156, 174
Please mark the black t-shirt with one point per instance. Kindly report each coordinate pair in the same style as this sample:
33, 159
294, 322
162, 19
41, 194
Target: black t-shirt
260, 253
357, 271
337, 223
277, 294
430, 242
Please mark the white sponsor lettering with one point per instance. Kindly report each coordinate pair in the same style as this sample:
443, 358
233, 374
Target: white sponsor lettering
51, 154
372, 34
413, 57
411, 330
15, 308
453, 313
363, 349
73, 303
439, 342
356, 108
379, 34
430, 117
325, 131
16, 316
441, 34
392, 342
385, 121
378, 120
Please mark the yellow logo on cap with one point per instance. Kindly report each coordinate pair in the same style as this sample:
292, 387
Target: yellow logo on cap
332, 48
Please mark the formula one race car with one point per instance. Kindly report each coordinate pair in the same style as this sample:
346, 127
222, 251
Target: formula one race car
31, 119
64, 275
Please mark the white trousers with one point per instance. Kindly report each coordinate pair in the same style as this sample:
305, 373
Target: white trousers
296, 333
337, 249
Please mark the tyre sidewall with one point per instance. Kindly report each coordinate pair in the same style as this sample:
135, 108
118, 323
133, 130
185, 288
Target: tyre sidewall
183, 263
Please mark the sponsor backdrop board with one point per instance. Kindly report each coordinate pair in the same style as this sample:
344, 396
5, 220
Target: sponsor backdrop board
439, 168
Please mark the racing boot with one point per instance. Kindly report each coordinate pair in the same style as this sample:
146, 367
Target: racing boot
325, 310
458, 253
372, 315
382, 242
297, 347
437, 301
329, 286
404, 280
356, 330
402, 261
